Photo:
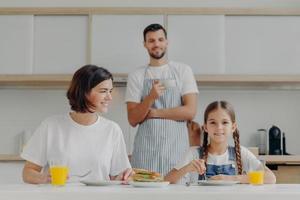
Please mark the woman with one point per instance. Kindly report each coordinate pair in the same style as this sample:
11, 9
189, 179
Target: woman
84, 139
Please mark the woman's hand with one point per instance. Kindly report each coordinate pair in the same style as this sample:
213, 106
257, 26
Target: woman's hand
197, 165
45, 177
125, 175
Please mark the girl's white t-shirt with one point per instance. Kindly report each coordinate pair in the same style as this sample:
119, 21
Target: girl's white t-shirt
249, 162
99, 147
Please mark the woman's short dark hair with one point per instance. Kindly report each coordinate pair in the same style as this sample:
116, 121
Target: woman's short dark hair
83, 81
154, 28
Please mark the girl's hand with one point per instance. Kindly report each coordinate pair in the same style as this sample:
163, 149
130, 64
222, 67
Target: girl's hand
197, 166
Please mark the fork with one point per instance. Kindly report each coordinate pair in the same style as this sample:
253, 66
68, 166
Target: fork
203, 177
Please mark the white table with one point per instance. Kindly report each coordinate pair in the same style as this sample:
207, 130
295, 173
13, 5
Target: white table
172, 192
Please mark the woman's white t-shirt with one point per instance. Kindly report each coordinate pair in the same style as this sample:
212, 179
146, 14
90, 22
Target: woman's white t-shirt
249, 162
99, 147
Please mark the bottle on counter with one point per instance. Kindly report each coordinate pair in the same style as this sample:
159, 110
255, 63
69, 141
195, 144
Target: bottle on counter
262, 141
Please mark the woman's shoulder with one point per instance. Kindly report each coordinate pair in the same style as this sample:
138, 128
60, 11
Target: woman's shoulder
55, 119
109, 124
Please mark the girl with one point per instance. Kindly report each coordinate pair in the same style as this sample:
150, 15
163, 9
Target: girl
86, 140
216, 159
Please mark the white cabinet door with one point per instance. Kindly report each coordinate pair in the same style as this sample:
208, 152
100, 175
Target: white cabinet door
197, 40
60, 44
16, 44
117, 41
262, 44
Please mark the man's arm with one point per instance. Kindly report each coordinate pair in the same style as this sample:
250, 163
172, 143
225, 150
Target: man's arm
137, 112
185, 112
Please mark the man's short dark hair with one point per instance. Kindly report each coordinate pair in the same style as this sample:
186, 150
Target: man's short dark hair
153, 28
83, 81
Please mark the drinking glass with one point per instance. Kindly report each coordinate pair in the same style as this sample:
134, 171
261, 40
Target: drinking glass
59, 172
256, 176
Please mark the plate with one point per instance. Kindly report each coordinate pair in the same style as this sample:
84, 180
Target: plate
149, 184
101, 183
217, 182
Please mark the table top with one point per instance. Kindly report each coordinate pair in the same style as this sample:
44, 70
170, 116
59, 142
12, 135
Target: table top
79, 191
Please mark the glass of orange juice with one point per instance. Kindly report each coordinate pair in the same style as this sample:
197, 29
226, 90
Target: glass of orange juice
59, 172
256, 176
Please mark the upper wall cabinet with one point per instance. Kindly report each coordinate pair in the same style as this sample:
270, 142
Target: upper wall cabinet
262, 44
16, 44
117, 41
60, 44
197, 40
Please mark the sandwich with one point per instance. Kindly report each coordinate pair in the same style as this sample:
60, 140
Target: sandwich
143, 175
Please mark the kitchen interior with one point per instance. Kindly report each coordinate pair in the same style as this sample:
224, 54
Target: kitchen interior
244, 52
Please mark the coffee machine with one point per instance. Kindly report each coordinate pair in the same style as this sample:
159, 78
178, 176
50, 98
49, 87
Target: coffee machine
275, 140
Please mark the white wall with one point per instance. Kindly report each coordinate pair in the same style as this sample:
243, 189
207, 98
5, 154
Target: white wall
254, 109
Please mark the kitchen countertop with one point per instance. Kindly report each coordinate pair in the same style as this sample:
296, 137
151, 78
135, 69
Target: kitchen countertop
81, 192
281, 159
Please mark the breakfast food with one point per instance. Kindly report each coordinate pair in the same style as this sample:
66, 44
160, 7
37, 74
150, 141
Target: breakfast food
143, 175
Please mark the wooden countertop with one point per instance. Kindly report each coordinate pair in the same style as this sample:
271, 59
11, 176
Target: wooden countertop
270, 159
281, 159
10, 157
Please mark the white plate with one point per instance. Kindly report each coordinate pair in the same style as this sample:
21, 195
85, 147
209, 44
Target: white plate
100, 183
217, 182
149, 184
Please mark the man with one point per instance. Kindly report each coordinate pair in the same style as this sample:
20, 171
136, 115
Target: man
160, 98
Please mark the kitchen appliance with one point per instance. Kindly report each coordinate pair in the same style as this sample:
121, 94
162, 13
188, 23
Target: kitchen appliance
284, 145
262, 141
275, 139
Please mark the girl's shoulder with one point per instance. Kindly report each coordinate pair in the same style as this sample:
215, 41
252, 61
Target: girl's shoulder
246, 154
245, 150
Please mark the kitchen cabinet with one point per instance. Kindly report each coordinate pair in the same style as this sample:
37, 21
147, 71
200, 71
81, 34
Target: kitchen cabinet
198, 40
287, 173
16, 47
286, 168
211, 40
262, 44
120, 47
60, 43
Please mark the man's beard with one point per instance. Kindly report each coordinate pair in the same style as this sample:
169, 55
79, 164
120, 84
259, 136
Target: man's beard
157, 56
